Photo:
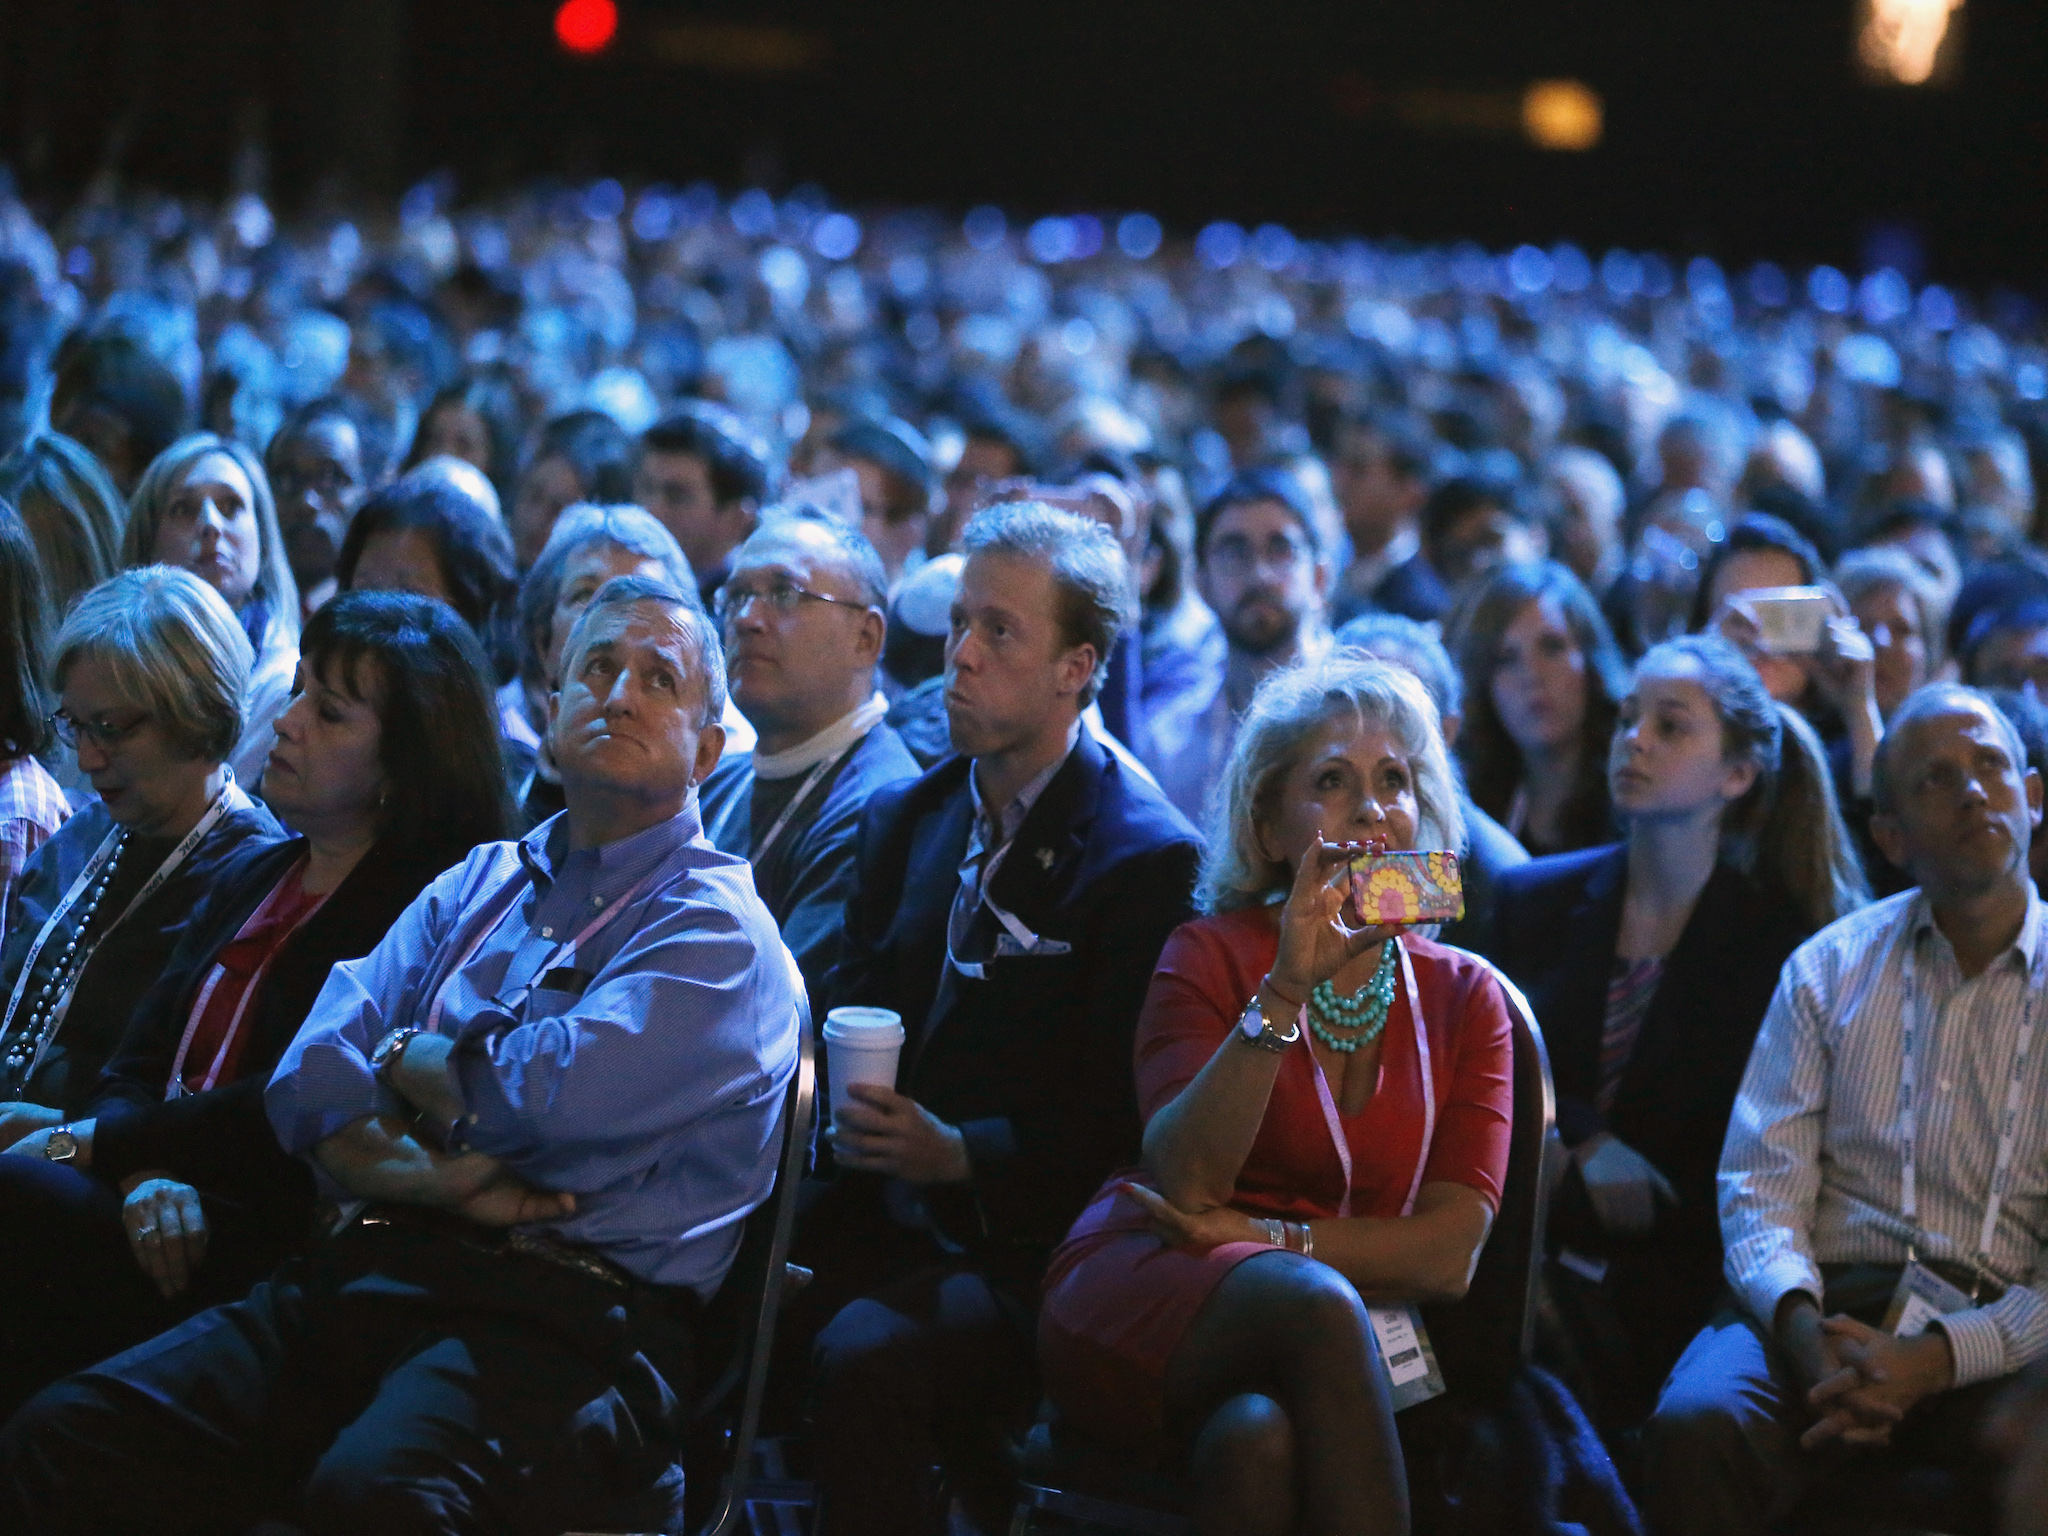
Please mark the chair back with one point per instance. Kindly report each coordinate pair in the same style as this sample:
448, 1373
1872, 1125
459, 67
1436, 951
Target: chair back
746, 1305
1481, 1341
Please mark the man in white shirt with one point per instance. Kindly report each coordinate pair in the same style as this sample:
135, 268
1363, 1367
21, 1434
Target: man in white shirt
1893, 1122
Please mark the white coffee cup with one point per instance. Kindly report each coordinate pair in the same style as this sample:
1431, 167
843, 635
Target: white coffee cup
861, 1046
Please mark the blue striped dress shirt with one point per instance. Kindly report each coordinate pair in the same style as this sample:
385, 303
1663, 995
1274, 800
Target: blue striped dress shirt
1812, 1171
653, 1094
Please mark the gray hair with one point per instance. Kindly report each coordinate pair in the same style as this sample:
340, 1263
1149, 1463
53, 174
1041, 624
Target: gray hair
152, 500
630, 528
1089, 572
1864, 571
174, 648
1932, 698
1288, 709
1395, 637
852, 546
627, 592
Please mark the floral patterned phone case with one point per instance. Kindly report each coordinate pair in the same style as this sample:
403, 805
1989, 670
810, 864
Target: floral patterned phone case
1412, 887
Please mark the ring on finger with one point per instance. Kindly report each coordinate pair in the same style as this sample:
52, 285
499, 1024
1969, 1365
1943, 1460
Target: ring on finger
145, 1233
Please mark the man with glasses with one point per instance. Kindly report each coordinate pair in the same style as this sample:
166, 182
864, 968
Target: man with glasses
1261, 565
802, 616
1884, 1186
1010, 907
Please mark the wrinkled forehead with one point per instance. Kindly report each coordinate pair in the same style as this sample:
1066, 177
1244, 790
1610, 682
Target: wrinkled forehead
1953, 728
648, 627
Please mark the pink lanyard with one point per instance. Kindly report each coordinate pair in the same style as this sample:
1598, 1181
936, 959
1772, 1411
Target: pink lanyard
175, 1088
1329, 1101
495, 911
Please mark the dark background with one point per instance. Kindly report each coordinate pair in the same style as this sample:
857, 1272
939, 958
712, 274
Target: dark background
1741, 128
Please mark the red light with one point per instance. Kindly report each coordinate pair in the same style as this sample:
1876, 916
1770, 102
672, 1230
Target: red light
586, 26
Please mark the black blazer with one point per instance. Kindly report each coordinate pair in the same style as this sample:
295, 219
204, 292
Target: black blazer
1033, 1063
220, 1141
1556, 926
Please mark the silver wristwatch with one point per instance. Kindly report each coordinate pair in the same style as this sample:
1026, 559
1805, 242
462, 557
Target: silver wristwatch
62, 1147
1255, 1029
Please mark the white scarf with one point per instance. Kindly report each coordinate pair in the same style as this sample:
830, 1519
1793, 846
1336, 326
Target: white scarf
828, 743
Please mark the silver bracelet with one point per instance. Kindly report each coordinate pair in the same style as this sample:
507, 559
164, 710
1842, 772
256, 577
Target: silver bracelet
1275, 1230
1308, 1241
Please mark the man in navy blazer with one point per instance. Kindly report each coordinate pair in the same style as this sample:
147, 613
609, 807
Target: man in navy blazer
1010, 905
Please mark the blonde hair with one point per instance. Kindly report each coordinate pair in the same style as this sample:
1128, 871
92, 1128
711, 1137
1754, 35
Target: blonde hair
152, 499
173, 648
1288, 710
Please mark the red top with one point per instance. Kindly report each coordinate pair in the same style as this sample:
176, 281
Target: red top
215, 1032
1209, 971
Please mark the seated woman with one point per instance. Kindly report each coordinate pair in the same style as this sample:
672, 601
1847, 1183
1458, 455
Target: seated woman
1542, 675
1327, 1117
32, 805
1650, 963
151, 670
167, 1191
72, 510
1835, 687
205, 506
421, 534
581, 456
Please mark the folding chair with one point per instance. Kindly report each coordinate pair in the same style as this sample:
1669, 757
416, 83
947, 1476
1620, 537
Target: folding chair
1480, 1341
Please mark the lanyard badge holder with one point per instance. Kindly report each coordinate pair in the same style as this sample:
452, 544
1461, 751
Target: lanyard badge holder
1923, 1296
1413, 1375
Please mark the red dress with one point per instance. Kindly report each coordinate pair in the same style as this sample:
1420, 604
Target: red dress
1117, 1300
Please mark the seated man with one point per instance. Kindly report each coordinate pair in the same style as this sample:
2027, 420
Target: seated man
1010, 905
548, 1100
1889, 1124
803, 625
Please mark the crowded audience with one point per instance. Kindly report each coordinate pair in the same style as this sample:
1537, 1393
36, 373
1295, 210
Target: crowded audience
480, 680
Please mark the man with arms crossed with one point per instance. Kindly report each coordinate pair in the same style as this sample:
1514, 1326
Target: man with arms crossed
547, 1100
1893, 1122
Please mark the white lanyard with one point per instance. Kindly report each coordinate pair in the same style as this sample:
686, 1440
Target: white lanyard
803, 790
229, 798
1422, 1058
2008, 1135
495, 911
977, 969
175, 1088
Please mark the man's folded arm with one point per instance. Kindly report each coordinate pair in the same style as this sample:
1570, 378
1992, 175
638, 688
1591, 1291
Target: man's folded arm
323, 1081
1770, 1164
686, 1020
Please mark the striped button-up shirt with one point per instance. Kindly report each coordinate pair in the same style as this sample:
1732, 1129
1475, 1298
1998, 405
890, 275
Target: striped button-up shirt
1812, 1172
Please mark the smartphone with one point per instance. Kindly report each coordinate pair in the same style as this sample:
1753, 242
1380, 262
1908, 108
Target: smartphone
1411, 887
1789, 620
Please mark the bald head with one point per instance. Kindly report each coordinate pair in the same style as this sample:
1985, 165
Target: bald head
1932, 702
1957, 805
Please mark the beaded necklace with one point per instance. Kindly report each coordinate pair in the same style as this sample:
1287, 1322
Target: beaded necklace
1363, 1014
43, 1012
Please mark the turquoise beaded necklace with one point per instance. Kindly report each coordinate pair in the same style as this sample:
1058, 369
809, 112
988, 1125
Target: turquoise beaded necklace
1363, 1014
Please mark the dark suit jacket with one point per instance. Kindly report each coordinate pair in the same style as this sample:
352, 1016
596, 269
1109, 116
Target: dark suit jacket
1557, 922
807, 875
220, 1141
1033, 1063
